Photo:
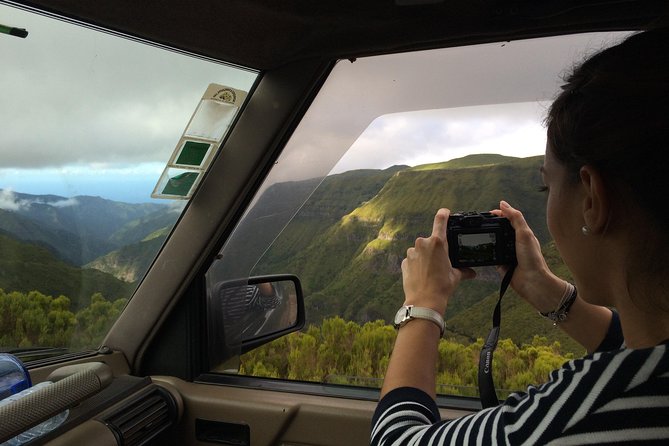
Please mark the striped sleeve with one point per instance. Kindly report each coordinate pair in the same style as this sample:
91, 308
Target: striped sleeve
576, 406
402, 409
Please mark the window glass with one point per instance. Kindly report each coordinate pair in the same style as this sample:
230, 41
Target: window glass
89, 122
388, 141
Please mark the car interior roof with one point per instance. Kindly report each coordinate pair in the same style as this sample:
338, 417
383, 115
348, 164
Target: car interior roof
265, 34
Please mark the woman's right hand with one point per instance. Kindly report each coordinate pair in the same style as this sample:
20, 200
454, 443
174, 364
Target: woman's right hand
532, 279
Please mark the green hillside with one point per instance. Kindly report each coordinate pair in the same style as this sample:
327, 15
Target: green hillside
333, 198
25, 267
408, 200
67, 245
131, 262
90, 217
140, 228
350, 267
82, 228
478, 160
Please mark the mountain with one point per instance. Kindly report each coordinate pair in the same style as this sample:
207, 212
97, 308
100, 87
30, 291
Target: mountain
77, 229
45, 238
62, 243
279, 210
477, 160
129, 263
145, 226
347, 249
26, 267
346, 243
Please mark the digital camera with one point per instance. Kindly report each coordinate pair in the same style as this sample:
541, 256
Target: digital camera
480, 239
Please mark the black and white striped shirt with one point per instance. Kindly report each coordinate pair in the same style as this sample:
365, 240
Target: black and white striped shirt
610, 397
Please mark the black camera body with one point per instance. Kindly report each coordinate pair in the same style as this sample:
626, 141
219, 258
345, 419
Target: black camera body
480, 239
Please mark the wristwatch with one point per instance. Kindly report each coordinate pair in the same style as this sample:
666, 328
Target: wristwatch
408, 312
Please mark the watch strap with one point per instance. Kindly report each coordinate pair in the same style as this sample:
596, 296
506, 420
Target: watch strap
413, 312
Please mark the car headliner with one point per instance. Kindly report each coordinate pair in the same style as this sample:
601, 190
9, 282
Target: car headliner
265, 34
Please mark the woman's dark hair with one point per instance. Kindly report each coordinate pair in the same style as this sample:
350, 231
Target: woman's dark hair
613, 114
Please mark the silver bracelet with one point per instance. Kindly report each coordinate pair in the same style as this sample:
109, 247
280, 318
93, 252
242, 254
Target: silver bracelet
560, 313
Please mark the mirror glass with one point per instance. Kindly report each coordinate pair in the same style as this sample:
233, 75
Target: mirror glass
257, 308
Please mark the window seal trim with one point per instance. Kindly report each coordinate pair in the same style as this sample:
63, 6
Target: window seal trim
326, 390
60, 358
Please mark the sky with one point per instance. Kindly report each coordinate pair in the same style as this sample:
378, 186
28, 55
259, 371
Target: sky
424, 137
433, 106
85, 113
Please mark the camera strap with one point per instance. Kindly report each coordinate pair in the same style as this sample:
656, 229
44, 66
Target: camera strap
486, 384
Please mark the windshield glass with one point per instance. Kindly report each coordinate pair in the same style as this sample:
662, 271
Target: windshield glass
89, 122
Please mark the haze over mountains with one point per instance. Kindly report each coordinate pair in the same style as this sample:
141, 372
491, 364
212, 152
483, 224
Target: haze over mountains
54, 238
346, 243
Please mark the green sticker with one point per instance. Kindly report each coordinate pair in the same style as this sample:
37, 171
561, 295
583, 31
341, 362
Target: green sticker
181, 184
193, 153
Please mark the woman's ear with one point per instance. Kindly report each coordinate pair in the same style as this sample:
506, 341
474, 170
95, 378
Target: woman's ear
596, 200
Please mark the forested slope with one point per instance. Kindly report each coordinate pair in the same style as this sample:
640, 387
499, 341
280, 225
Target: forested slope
350, 266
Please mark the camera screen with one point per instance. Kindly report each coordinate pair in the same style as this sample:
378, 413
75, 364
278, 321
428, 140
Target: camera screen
476, 247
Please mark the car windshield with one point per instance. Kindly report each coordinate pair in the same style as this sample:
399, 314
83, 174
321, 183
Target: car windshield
90, 120
388, 141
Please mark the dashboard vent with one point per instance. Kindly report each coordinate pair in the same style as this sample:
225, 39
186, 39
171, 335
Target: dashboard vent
142, 418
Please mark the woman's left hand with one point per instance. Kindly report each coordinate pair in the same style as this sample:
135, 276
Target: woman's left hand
428, 277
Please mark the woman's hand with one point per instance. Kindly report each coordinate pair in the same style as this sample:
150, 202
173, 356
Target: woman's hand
532, 279
427, 275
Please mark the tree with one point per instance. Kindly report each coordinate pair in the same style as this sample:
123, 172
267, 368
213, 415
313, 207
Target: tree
95, 320
344, 352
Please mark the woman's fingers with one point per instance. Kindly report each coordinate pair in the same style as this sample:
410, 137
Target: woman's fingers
440, 223
524, 235
427, 270
514, 216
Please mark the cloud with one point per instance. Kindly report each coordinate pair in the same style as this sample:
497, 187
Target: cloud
10, 201
439, 135
70, 95
62, 203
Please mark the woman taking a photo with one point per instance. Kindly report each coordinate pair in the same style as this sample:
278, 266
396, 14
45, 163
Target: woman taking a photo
605, 174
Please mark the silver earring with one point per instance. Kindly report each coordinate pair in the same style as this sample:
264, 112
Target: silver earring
585, 230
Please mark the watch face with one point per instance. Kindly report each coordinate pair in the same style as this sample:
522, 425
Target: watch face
402, 316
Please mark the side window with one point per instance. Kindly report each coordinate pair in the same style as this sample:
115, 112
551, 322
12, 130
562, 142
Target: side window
389, 140
347, 243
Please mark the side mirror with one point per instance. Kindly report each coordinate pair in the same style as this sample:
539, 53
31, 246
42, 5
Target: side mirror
247, 313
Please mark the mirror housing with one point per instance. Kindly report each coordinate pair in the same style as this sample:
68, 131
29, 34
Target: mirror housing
247, 313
